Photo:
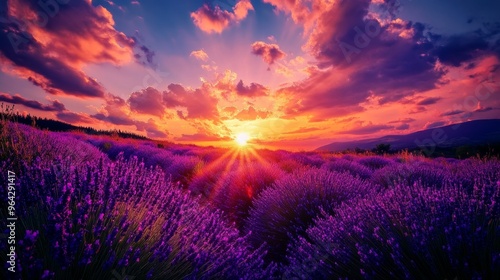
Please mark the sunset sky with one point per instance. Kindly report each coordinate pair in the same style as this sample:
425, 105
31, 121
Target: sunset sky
291, 74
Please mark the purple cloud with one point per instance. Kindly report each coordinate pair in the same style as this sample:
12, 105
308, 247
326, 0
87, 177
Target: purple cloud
252, 90
55, 106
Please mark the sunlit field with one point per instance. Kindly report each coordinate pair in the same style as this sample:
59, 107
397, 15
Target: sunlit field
95, 207
249, 139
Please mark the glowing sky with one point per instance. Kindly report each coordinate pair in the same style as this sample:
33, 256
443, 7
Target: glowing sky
291, 74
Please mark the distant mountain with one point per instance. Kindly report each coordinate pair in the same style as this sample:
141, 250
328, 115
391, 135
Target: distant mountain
472, 133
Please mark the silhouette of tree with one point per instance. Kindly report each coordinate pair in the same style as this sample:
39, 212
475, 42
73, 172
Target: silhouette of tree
382, 148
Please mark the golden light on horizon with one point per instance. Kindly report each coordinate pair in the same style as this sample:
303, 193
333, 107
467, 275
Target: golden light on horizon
242, 139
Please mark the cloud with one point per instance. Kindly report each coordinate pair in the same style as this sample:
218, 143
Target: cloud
299, 10
452, 113
148, 101
73, 118
429, 101
231, 110
117, 120
151, 129
50, 49
430, 125
368, 129
201, 137
188, 104
147, 56
405, 120
461, 48
269, 52
55, 106
364, 51
115, 111
199, 54
208, 67
199, 103
216, 20
302, 130
403, 126
417, 110
251, 114
485, 109
252, 90
54, 76
76, 26
351, 46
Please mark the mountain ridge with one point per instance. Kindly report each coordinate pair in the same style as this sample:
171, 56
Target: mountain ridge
470, 133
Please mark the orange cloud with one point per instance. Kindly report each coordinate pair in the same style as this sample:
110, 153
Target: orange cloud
251, 114
50, 51
79, 34
201, 137
217, 20
300, 11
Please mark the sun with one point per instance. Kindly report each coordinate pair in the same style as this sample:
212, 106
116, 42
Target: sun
242, 139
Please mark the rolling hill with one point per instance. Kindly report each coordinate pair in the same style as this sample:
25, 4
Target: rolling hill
472, 133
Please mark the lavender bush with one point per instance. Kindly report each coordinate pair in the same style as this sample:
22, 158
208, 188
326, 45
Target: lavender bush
375, 162
352, 167
106, 208
241, 187
211, 177
426, 173
468, 172
408, 232
91, 220
25, 144
289, 207
183, 168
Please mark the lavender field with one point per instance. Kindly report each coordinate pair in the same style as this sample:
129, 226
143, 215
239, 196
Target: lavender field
94, 207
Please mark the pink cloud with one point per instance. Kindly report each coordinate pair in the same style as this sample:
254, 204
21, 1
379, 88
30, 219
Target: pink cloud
79, 34
147, 101
199, 103
55, 106
74, 118
300, 11
252, 90
216, 20
151, 129
269, 52
51, 53
367, 129
352, 47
